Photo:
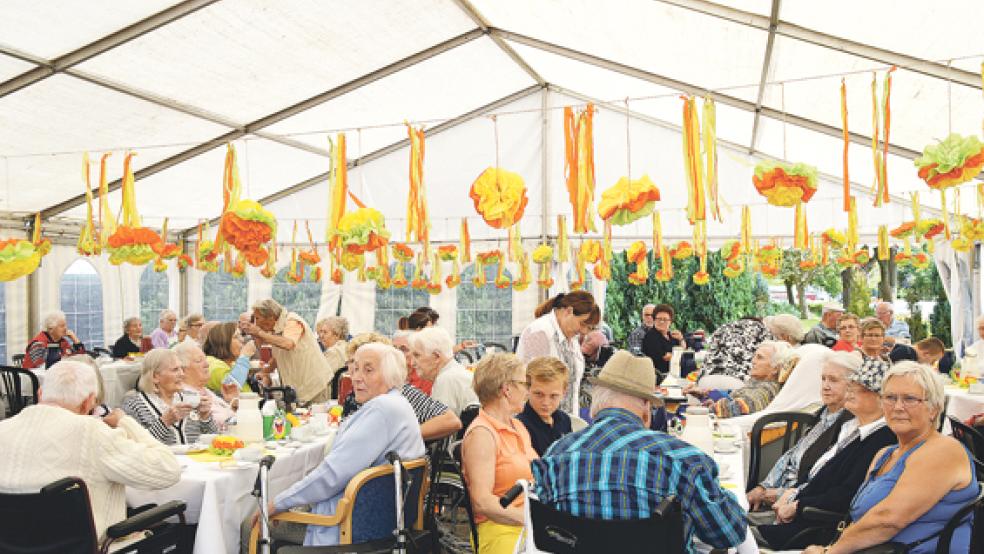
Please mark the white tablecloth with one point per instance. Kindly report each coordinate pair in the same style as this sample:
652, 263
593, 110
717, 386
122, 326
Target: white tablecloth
962, 404
119, 377
733, 480
220, 499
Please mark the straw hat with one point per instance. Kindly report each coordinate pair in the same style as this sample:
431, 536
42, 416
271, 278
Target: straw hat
628, 374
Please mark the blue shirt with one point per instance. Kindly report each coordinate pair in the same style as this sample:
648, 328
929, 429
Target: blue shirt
384, 424
899, 329
618, 469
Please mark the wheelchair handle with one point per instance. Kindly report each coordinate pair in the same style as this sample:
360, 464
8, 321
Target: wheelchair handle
392, 457
511, 494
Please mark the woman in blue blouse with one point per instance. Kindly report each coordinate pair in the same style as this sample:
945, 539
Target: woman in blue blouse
913, 488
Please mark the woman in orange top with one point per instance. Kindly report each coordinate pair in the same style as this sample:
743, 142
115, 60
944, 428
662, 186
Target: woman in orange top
497, 451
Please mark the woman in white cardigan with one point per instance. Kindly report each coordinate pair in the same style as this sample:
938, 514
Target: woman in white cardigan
57, 438
554, 334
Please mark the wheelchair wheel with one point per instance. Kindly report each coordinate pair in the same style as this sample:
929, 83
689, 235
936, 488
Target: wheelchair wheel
450, 514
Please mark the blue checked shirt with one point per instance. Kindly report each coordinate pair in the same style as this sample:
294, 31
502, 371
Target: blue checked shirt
618, 469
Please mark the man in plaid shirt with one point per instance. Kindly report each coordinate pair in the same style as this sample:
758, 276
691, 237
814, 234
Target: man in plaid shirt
618, 469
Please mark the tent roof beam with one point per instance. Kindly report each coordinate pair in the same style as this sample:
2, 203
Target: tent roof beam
389, 149
104, 44
276, 117
766, 63
483, 24
816, 38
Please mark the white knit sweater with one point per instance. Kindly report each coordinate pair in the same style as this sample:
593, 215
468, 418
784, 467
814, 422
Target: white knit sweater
45, 443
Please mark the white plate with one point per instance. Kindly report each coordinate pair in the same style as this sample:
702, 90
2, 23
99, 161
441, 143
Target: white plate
722, 449
180, 448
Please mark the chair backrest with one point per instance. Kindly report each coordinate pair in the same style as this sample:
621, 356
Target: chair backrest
562, 533
55, 520
12, 388
456, 455
373, 514
18, 360
972, 439
794, 425
344, 387
467, 415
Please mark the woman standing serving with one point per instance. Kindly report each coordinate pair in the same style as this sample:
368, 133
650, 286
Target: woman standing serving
554, 334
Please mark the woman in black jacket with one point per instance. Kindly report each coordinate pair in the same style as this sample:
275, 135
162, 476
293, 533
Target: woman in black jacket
837, 475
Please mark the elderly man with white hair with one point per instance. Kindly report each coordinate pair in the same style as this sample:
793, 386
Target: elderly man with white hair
296, 353
826, 330
385, 423
57, 438
432, 350
978, 346
54, 341
166, 332
894, 328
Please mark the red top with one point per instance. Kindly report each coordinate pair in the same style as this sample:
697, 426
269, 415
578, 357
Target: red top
844, 346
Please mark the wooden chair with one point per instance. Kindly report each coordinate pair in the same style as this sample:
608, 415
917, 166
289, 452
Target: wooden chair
366, 513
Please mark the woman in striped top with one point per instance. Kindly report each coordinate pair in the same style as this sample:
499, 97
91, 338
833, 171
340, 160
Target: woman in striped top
160, 407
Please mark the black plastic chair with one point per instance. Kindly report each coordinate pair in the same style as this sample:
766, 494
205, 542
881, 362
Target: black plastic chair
464, 357
973, 440
558, 532
797, 424
467, 415
976, 508
12, 389
465, 497
58, 520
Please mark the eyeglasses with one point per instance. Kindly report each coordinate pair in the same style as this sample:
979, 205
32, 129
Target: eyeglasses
664, 319
647, 314
873, 335
908, 401
524, 384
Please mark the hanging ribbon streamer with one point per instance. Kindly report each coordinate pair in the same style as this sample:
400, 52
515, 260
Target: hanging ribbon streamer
883, 252
657, 243
746, 230
579, 165
418, 222
709, 133
692, 161
946, 214
852, 227
563, 248
525, 278
515, 243
802, 232
337, 188
107, 221
543, 257
88, 243
847, 143
449, 253
434, 285
637, 254
465, 242
881, 158
701, 277
603, 269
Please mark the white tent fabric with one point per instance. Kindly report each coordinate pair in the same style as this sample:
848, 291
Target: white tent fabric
175, 81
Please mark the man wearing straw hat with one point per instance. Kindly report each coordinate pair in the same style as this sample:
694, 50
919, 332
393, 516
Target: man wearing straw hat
618, 469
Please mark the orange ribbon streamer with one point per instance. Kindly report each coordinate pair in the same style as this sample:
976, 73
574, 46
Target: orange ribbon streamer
579, 165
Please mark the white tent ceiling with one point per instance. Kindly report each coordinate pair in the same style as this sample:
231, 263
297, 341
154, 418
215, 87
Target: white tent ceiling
175, 81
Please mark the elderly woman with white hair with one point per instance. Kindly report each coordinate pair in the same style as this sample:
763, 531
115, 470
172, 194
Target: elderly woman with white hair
785, 327
53, 342
57, 438
332, 334
129, 343
296, 354
161, 405
771, 361
432, 351
796, 463
166, 332
385, 423
914, 487
197, 374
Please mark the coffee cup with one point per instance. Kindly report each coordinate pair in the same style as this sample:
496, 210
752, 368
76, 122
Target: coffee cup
189, 397
249, 454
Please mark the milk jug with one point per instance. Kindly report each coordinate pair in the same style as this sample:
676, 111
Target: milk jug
698, 429
250, 421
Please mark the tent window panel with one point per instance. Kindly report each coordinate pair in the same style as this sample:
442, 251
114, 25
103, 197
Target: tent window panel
304, 298
484, 313
81, 300
153, 297
394, 303
225, 297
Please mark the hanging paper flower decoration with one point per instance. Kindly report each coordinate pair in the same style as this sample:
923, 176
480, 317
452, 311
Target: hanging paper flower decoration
238, 270
682, 250
920, 260
489, 258
785, 184
904, 230
834, 237
730, 250
734, 268
807, 264
351, 261
363, 230
524, 280
185, 261
971, 228
160, 266
701, 278
448, 252
637, 254
19, 257
543, 256
929, 228
962, 244
628, 201
247, 226
956, 160
134, 245
402, 252
499, 197
590, 251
